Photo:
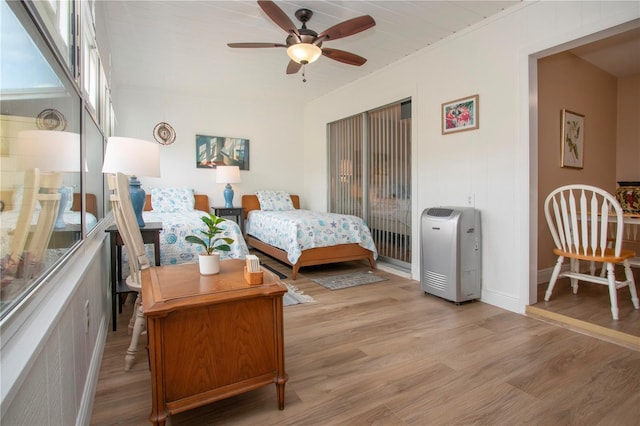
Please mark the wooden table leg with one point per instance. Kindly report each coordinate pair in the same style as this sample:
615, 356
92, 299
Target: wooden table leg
280, 382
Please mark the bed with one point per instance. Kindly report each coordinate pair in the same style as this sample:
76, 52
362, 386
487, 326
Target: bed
319, 250
390, 215
72, 216
29, 242
11, 198
180, 211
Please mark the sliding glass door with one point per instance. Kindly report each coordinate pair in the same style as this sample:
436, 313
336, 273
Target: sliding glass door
370, 176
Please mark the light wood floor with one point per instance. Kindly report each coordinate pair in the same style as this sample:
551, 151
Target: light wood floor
589, 311
387, 354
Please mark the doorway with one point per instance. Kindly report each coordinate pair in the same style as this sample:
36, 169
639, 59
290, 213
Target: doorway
608, 83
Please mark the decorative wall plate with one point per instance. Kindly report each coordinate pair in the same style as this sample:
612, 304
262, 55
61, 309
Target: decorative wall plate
51, 119
164, 133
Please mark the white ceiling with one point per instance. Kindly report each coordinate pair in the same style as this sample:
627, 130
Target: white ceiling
181, 46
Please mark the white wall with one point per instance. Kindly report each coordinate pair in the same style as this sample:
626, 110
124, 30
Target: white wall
273, 127
491, 163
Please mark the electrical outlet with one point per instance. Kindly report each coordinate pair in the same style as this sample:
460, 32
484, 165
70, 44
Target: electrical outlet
471, 200
86, 314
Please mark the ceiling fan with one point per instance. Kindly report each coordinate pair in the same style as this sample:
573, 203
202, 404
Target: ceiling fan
304, 45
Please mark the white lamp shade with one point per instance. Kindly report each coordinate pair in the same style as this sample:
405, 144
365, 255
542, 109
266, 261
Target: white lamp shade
228, 174
304, 53
131, 156
49, 150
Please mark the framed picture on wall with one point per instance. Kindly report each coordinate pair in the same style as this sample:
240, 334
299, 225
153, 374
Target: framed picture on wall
213, 151
461, 114
572, 131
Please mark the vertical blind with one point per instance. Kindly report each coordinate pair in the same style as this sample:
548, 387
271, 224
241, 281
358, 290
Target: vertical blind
345, 166
370, 175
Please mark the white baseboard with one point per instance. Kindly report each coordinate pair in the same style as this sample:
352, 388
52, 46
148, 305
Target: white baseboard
389, 268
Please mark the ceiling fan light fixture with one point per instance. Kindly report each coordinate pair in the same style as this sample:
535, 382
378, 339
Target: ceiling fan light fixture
304, 53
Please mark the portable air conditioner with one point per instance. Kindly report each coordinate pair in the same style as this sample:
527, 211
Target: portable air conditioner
450, 266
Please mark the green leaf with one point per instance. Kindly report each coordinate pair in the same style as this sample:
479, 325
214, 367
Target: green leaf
212, 229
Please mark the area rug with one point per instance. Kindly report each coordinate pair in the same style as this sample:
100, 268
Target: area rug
293, 296
337, 282
279, 274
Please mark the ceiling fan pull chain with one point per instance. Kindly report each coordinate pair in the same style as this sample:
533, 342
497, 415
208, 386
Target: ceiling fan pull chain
304, 77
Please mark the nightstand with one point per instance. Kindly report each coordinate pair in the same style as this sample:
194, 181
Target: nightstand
150, 235
217, 324
230, 212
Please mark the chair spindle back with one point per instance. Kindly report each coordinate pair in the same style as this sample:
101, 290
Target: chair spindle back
128, 225
583, 218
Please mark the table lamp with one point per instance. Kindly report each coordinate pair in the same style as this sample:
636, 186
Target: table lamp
134, 157
228, 175
51, 151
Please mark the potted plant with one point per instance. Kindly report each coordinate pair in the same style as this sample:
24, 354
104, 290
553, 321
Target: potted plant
209, 261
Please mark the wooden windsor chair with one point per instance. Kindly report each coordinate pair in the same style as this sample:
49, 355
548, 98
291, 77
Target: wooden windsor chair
129, 231
29, 241
586, 223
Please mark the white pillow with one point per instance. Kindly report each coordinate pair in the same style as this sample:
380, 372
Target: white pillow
171, 200
275, 200
16, 199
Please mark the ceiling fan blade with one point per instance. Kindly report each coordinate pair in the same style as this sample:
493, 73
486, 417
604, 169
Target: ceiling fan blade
347, 28
342, 56
256, 45
278, 16
293, 67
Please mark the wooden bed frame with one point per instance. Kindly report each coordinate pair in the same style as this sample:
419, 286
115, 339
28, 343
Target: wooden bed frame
201, 203
314, 256
6, 196
91, 204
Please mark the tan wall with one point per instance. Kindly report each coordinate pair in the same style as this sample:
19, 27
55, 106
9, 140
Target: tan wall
628, 149
566, 81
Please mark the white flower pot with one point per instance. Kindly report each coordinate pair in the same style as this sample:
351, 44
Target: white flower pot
209, 264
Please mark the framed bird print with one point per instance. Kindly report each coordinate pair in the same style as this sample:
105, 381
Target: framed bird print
572, 139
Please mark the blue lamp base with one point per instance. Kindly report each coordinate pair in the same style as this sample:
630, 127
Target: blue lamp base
228, 197
64, 199
137, 199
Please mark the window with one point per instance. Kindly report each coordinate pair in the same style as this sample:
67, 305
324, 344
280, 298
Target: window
45, 209
91, 68
57, 17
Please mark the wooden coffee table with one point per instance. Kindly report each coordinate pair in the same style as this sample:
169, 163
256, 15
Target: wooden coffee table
211, 337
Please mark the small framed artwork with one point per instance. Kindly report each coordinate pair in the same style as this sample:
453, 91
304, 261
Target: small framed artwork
213, 151
461, 114
572, 142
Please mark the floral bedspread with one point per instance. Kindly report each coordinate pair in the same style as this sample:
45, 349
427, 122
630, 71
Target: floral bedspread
9, 220
296, 230
175, 226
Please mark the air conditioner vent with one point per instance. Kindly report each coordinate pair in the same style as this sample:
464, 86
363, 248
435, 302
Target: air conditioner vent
439, 212
435, 280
